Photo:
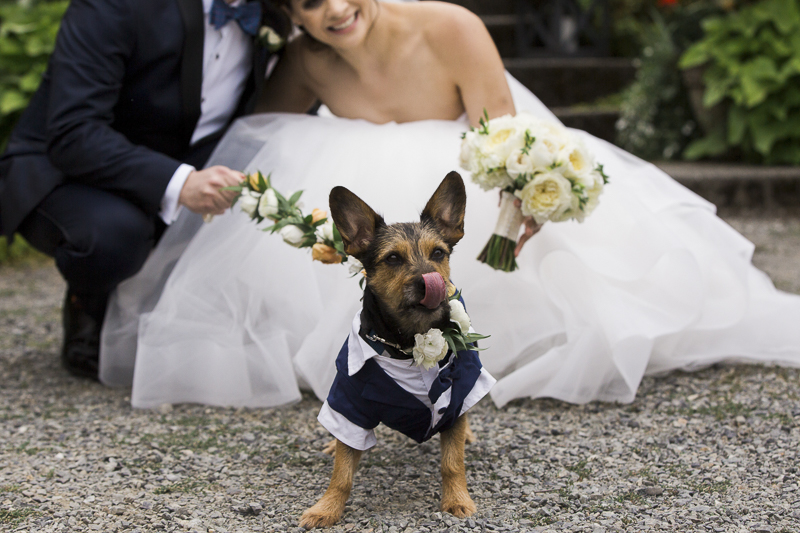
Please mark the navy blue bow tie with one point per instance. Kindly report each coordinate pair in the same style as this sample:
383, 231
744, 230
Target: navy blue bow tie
248, 15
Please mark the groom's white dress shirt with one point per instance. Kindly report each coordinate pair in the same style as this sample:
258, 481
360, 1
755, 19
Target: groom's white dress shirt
227, 59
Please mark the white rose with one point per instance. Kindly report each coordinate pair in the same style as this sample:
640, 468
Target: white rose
490, 180
459, 315
292, 235
249, 202
576, 160
268, 205
546, 197
470, 148
593, 194
504, 137
542, 155
518, 163
325, 231
354, 266
429, 349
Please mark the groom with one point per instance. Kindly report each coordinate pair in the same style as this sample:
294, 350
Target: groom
136, 95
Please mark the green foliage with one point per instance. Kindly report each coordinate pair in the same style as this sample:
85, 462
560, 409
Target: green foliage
752, 60
656, 121
632, 21
18, 252
27, 36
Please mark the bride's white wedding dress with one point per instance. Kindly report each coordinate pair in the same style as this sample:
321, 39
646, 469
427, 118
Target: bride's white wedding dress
652, 281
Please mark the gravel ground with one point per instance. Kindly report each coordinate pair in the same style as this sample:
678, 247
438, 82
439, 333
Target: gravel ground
715, 450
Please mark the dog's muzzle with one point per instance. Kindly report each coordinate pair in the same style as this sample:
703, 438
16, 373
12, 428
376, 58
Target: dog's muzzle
435, 290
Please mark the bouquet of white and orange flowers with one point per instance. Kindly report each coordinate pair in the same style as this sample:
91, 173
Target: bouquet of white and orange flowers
260, 201
540, 163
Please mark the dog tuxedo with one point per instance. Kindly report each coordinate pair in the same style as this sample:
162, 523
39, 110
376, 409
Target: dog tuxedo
372, 388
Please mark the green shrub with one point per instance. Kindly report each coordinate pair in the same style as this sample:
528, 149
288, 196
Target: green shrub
752, 60
656, 118
27, 36
18, 251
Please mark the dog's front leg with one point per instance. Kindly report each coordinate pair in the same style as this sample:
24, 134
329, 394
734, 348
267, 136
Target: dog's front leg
328, 510
455, 497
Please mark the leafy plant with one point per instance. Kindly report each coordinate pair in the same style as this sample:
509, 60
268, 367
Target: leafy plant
752, 60
18, 251
656, 120
632, 21
27, 36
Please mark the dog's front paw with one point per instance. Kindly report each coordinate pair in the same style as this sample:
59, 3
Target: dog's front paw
460, 508
320, 515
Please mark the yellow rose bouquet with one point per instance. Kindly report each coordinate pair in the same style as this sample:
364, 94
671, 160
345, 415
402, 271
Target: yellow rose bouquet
542, 169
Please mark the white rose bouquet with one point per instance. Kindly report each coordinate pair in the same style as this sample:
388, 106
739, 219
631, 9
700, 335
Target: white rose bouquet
260, 201
537, 163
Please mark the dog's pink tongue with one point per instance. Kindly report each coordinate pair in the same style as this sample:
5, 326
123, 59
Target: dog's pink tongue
435, 290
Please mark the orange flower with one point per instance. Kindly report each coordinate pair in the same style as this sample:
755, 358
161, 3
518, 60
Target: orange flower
318, 214
325, 254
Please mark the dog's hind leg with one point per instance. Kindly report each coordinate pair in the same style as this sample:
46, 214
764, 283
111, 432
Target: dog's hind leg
469, 436
330, 447
328, 510
455, 497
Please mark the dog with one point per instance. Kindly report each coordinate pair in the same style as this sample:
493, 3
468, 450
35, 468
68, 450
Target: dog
406, 265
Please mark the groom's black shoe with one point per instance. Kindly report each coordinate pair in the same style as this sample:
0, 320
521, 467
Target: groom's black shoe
82, 318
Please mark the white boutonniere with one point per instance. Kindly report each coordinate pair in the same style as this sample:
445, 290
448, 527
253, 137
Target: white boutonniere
270, 39
433, 346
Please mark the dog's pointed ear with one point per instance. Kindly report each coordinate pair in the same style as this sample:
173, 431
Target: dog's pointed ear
446, 208
356, 221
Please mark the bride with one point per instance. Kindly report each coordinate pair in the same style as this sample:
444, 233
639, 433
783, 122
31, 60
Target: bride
652, 281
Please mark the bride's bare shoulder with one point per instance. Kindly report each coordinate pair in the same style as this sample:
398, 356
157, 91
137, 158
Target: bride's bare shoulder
449, 28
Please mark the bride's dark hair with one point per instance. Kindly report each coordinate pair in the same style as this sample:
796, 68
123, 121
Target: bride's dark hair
275, 17
283, 6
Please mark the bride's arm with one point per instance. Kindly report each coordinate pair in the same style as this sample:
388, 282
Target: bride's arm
286, 90
469, 53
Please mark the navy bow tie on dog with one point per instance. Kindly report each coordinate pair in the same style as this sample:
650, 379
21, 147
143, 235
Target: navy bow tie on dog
248, 15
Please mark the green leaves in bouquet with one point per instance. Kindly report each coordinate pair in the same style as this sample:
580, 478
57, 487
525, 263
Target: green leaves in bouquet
484, 123
459, 342
27, 37
752, 62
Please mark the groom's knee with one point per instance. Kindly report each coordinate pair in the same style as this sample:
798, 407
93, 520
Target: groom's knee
113, 248
97, 239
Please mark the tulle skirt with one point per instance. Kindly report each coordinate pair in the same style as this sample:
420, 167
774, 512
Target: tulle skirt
652, 281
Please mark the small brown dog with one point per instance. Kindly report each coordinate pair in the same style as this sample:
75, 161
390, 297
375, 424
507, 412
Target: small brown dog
406, 267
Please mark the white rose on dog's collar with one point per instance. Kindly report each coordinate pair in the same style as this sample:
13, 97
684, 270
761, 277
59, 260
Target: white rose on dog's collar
459, 315
429, 349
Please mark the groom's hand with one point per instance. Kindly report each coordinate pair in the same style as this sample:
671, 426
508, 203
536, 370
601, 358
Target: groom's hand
201, 193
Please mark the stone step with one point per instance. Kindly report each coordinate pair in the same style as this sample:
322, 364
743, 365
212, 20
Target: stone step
487, 7
738, 185
503, 29
599, 122
562, 82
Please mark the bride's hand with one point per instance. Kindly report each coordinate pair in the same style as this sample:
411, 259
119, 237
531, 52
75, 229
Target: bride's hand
531, 229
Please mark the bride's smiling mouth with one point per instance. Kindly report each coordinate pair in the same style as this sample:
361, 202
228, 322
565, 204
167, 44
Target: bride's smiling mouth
345, 25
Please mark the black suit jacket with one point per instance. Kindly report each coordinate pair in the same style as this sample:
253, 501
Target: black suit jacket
117, 106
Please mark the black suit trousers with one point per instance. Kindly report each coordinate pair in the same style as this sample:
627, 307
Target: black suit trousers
98, 239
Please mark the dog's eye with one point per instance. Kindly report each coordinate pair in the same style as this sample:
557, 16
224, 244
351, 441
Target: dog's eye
438, 254
394, 259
